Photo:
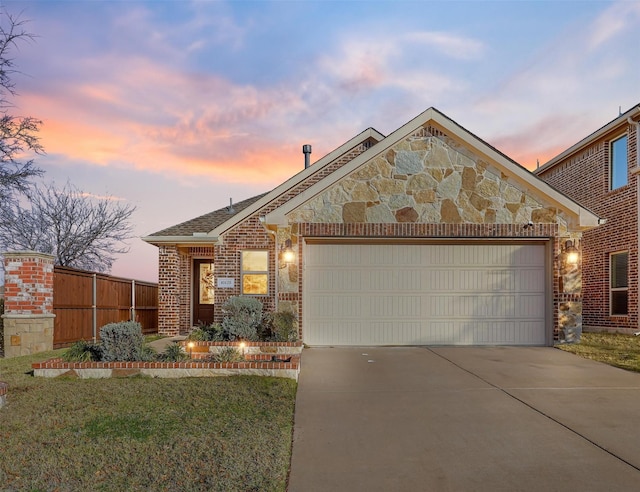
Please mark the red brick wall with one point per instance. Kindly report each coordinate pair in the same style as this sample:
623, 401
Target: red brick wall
585, 178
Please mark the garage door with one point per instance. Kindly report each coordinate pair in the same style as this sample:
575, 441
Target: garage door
412, 294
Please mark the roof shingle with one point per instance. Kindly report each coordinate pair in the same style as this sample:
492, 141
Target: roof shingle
206, 222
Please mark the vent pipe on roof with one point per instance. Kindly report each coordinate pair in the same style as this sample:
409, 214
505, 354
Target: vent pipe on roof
230, 207
306, 150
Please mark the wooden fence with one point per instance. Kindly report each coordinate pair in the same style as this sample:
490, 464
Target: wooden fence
83, 302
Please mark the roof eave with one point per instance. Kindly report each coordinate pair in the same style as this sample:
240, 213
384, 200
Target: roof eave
181, 240
620, 120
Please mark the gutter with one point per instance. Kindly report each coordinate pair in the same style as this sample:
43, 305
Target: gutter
196, 239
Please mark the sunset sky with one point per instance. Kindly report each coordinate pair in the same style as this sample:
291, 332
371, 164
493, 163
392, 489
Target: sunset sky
176, 106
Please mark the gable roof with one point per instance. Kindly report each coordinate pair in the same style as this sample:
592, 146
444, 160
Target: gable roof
588, 140
207, 228
585, 218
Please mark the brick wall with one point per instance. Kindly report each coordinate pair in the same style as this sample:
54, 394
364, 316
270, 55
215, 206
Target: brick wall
585, 178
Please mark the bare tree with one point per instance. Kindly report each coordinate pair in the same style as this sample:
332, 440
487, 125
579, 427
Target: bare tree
80, 230
18, 134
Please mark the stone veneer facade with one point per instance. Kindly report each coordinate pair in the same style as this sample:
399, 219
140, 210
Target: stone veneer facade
430, 186
426, 186
28, 309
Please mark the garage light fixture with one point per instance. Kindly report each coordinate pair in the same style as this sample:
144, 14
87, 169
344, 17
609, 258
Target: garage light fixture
286, 253
570, 255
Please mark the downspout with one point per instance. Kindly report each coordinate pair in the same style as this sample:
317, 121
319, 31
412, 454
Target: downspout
277, 266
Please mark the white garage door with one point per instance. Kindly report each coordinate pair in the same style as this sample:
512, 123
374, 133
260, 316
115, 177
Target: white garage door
402, 294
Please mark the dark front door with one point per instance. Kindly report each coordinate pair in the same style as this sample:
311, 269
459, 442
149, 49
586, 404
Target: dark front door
203, 287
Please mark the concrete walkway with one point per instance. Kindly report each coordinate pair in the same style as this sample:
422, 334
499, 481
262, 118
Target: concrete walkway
464, 419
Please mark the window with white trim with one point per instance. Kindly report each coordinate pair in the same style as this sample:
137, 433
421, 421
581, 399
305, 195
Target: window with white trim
619, 284
254, 272
618, 162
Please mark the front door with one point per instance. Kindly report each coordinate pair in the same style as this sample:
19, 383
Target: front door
203, 292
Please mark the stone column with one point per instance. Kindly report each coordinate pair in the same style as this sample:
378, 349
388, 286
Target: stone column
28, 303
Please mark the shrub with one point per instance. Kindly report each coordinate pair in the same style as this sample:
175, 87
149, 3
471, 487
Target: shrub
228, 354
285, 324
124, 341
243, 316
1, 328
83, 351
280, 326
173, 353
209, 333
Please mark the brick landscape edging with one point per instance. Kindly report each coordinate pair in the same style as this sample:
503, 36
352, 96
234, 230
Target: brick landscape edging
202, 349
57, 367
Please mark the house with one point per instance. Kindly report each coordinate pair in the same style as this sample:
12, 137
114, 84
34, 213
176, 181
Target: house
601, 173
426, 236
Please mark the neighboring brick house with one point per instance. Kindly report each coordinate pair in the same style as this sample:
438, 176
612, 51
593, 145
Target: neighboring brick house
601, 173
426, 236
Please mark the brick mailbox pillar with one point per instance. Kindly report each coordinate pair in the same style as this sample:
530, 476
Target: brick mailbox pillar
28, 303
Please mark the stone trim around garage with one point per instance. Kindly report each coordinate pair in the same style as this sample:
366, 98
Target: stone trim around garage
85, 370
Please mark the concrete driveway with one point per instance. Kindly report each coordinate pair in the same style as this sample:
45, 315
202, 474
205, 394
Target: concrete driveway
464, 419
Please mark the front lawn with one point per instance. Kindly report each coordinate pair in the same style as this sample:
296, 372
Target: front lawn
225, 433
614, 349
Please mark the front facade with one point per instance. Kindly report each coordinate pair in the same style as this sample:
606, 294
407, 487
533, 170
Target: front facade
601, 173
426, 236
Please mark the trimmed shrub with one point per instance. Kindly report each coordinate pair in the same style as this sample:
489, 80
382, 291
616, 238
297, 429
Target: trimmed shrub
124, 341
83, 351
243, 316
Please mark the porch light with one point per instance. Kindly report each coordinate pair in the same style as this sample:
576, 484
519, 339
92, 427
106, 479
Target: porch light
570, 254
288, 255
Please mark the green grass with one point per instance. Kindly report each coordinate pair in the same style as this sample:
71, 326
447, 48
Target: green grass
614, 349
219, 434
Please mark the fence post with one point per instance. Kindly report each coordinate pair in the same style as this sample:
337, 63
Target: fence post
94, 307
133, 301
28, 305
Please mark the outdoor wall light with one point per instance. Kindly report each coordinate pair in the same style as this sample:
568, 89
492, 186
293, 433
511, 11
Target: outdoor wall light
242, 346
570, 254
191, 345
287, 253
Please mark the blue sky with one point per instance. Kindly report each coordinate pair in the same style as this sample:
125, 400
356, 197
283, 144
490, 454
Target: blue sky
176, 106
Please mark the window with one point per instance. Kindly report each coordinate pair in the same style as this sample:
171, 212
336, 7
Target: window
619, 282
618, 162
255, 273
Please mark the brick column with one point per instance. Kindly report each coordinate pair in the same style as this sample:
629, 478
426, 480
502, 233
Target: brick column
28, 303
168, 291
